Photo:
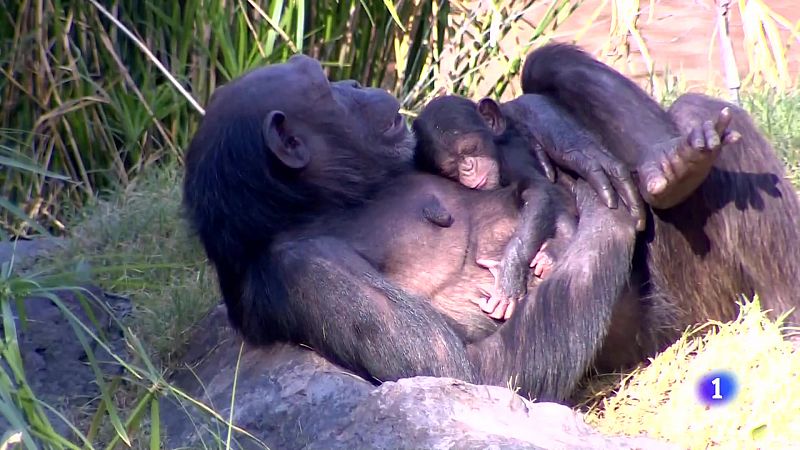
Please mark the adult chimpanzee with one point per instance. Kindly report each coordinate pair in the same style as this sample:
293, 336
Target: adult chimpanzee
459, 139
304, 198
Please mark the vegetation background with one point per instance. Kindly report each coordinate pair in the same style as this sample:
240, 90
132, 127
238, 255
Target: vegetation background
98, 100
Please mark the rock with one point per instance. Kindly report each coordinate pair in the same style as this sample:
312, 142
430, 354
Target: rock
55, 362
288, 397
285, 395
25, 250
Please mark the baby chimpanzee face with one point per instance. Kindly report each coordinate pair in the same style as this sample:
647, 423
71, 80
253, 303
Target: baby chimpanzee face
476, 158
455, 141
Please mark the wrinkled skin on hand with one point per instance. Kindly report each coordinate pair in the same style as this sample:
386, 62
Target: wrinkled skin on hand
671, 172
679, 166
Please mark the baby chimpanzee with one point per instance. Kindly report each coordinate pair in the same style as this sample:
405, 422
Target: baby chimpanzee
475, 145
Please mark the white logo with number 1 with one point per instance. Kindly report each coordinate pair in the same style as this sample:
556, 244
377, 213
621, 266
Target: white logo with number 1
717, 395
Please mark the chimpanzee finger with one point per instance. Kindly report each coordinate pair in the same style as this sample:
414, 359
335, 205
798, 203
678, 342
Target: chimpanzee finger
652, 178
667, 160
631, 198
696, 138
485, 291
500, 310
487, 263
491, 305
594, 174
491, 265
544, 161
546, 271
731, 137
723, 121
711, 135
538, 270
623, 184
540, 254
536, 259
509, 310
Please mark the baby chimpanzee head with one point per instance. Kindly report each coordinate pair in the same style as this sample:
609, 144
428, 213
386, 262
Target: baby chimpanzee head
455, 139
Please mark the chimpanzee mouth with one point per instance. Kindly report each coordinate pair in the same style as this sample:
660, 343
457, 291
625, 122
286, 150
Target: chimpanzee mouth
397, 126
481, 183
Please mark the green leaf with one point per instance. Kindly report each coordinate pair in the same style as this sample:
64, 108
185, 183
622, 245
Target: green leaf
155, 425
9, 162
390, 7
759, 432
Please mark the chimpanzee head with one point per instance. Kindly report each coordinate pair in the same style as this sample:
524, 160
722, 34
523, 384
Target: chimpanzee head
281, 144
456, 139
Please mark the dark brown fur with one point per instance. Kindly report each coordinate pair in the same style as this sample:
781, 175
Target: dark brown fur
452, 129
736, 234
316, 225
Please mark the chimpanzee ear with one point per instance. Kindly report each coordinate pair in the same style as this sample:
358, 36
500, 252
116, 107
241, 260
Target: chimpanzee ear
490, 111
289, 149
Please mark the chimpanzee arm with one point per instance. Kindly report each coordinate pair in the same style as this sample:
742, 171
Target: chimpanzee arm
536, 224
548, 126
320, 292
553, 249
558, 333
603, 100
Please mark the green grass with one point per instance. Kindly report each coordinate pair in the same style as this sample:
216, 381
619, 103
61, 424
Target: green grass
139, 246
97, 101
133, 243
778, 116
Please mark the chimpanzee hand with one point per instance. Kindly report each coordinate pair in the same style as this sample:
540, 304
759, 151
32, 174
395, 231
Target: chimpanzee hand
674, 169
543, 261
554, 136
608, 176
510, 286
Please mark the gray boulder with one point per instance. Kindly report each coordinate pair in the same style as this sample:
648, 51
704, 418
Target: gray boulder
290, 398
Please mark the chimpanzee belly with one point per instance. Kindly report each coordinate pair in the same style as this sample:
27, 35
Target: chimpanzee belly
432, 260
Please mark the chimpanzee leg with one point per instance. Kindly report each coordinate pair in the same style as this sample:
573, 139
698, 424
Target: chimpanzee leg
325, 295
737, 234
547, 346
633, 127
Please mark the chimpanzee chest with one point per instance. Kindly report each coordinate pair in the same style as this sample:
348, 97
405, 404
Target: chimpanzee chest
426, 237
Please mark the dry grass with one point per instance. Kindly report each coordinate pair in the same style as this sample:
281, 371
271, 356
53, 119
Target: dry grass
662, 401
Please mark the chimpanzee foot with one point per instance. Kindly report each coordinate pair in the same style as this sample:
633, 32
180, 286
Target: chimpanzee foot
542, 263
497, 303
681, 165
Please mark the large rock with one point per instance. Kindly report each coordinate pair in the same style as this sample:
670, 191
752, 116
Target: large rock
288, 397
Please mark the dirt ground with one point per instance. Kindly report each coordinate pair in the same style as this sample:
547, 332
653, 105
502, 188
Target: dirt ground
680, 36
